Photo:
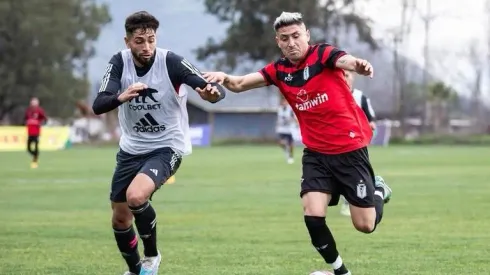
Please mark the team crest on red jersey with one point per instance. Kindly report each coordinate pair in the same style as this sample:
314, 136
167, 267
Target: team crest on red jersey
302, 95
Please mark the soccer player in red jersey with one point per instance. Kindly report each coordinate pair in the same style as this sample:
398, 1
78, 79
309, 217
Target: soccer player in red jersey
334, 130
34, 118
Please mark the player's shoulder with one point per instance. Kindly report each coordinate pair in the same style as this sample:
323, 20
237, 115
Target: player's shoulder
321, 48
117, 58
171, 54
162, 51
322, 45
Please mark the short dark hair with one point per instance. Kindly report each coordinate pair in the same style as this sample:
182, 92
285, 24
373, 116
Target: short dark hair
141, 20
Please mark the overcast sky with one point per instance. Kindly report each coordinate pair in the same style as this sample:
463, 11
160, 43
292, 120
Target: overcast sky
456, 26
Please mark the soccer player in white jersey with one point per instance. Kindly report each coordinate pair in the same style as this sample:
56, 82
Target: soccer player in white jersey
143, 82
365, 104
284, 127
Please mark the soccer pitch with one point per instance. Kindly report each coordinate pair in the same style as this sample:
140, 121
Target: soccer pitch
236, 210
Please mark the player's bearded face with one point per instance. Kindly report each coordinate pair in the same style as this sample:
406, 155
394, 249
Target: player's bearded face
293, 41
142, 44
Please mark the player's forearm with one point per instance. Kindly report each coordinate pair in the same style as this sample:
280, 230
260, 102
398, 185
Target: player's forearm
105, 102
346, 62
244, 83
234, 83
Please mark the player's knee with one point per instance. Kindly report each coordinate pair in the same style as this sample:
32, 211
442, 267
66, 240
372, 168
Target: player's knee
136, 197
313, 211
140, 190
121, 219
365, 225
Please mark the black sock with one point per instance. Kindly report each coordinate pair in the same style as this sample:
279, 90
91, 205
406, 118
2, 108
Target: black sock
378, 204
146, 222
323, 241
127, 242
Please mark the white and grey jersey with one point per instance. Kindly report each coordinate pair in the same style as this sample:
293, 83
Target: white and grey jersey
158, 117
285, 120
365, 104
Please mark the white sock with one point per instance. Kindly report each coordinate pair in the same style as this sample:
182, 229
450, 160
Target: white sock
338, 263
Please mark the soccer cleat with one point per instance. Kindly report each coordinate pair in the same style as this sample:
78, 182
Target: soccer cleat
380, 182
290, 160
34, 165
129, 273
150, 265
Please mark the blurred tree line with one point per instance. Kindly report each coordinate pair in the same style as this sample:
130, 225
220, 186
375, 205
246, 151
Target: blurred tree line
44, 49
250, 34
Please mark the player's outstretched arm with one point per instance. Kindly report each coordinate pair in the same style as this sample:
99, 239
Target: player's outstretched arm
182, 71
351, 63
235, 83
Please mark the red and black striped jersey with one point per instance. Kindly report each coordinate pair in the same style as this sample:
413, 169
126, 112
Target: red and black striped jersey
329, 118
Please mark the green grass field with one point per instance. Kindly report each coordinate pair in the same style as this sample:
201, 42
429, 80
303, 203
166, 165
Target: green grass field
236, 210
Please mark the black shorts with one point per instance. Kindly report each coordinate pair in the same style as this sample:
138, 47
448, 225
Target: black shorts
349, 174
286, 137
159, 165
31, 139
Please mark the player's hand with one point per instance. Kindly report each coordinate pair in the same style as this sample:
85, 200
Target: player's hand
363, 67
132, 91
209, 93
215, 77
373, 125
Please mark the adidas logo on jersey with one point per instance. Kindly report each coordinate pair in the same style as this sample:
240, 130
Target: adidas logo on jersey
148, 124
310, 103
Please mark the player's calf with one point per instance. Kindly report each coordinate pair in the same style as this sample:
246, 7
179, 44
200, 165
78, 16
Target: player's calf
125, 236
314, 204
363, 219
138, 193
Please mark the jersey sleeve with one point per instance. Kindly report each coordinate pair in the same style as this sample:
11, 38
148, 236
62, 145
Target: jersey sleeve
269, 73
181, 71
329, 55
106, 99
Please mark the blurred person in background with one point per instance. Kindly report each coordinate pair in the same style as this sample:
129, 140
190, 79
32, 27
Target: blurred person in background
285, 123
362, 101
34, 118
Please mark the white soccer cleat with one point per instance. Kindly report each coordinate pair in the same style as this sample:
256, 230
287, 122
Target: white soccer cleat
290, 160
150, 265
129, 273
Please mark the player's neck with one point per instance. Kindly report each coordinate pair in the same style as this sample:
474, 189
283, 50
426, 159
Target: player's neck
300, 61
